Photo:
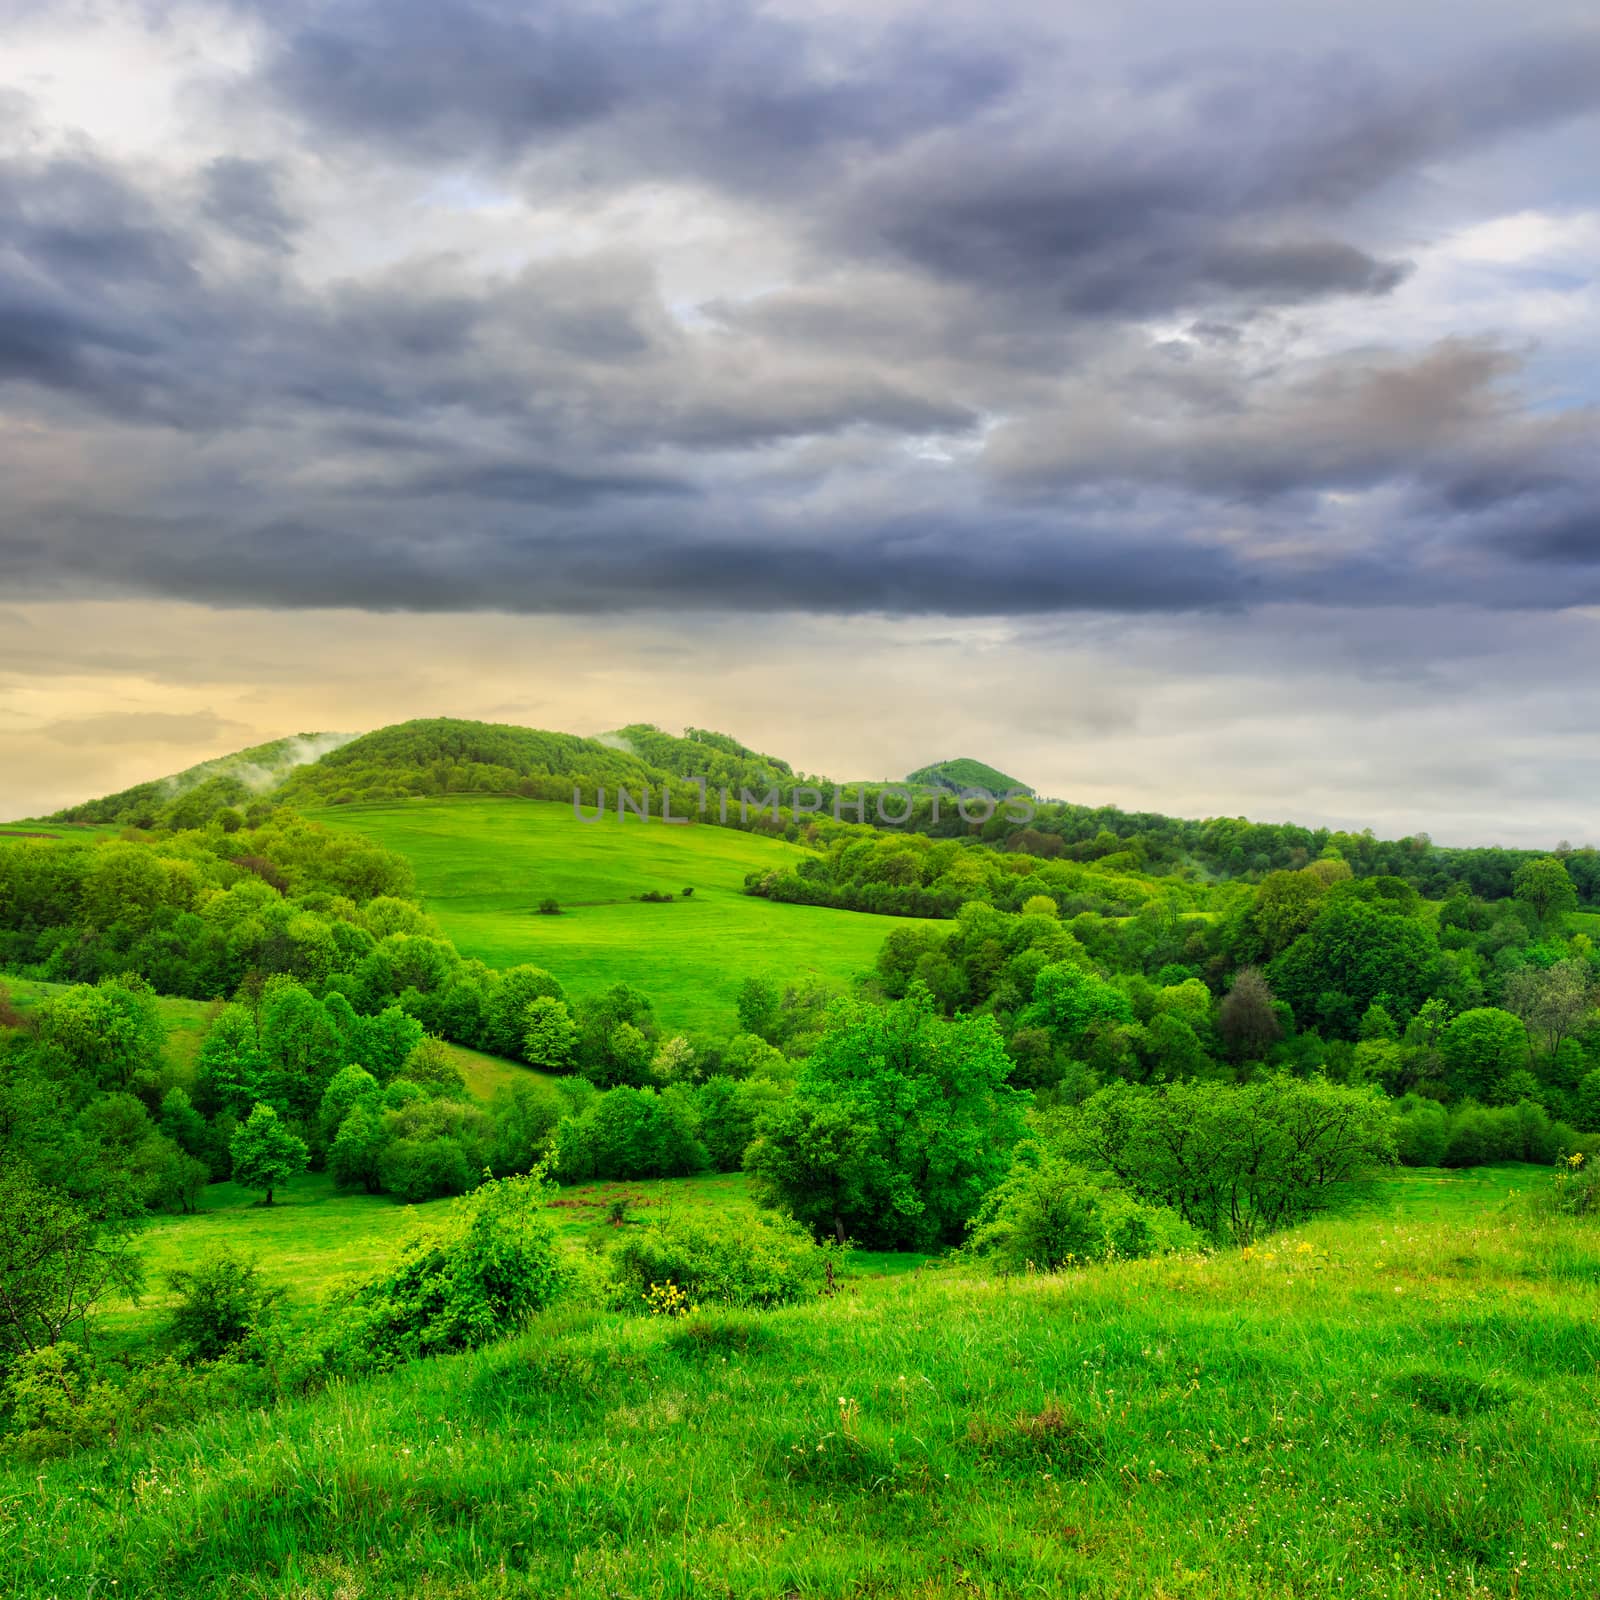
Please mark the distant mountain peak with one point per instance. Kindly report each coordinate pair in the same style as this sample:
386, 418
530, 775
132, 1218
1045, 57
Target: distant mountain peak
964, 775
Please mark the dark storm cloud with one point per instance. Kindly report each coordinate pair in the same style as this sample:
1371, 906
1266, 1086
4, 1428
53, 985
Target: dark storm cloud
718, 85
942, 389
244, 198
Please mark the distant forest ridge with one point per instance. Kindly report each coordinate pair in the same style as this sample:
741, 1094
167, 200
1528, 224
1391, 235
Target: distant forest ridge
442, 756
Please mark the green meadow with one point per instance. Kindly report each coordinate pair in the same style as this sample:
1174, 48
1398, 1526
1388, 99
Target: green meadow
483, 867
1395, 1403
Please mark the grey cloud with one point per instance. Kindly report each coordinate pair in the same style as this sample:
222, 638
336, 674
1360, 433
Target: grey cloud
937, 391
244, 198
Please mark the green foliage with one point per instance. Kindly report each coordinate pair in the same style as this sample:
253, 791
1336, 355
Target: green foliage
631, 1133
1546, 888
719, 1260
266, 1155
1241, 1162
432, 1067
506, 1016
480, 1273
1481, 1047
111, 1032
60, 1259
1048, 1214
355, 1156
900, 1124
223, 1300
966, 776
1357, 952
550, 1036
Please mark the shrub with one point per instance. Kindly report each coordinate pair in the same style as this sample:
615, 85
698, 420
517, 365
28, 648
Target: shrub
736, 1261
222, 1301
480, 1275
1238, 1162
1421, 1132
1575, 1191
424, 1169
1049, 1214
549, 907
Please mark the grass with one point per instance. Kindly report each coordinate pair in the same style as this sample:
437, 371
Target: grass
1397, 1406
483, 866
315, 1236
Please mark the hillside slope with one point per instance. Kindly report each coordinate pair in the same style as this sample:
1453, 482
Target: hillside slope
187, 797
484, 865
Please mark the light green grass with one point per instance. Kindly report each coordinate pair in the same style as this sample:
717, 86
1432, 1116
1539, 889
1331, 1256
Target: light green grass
483, 866
1354, 1409
314, 1236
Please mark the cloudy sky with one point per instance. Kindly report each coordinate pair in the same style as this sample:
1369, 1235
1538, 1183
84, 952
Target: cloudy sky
1192, 407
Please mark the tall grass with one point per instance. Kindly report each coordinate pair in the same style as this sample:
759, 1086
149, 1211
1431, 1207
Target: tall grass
1399, 1404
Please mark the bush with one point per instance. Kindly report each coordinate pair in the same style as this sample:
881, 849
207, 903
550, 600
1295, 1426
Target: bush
736, 1261
424, 1169
1421, 1132
549, 907
1049, 1214
1237, 1162
222, 1301
480, 1275
1575, 1191
1523, 1132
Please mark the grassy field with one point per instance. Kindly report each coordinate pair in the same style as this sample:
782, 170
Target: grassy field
314, 1236
483, 866
1397, 1404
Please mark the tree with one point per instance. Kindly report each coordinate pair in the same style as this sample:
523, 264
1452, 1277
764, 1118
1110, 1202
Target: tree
1545, 887
1237, 1162
110, 1031
59, 1259
900, 1123
1069, 1000
1246, 1020
382, 1043
432, 1065
505, 1016
550, 1037
1479, 1048
1553, 1003
182, 1124
356, 1154
351, 1087
757, 1003
266, 1155
1356, 951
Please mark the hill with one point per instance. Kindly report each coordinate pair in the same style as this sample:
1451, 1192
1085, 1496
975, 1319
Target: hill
186, 798
966, 776
484, 865
443, 755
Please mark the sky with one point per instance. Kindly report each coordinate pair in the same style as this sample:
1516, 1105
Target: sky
1192, 408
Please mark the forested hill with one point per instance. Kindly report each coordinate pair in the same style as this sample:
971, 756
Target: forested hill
188, 798
442, 755
966, 776
448, 756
